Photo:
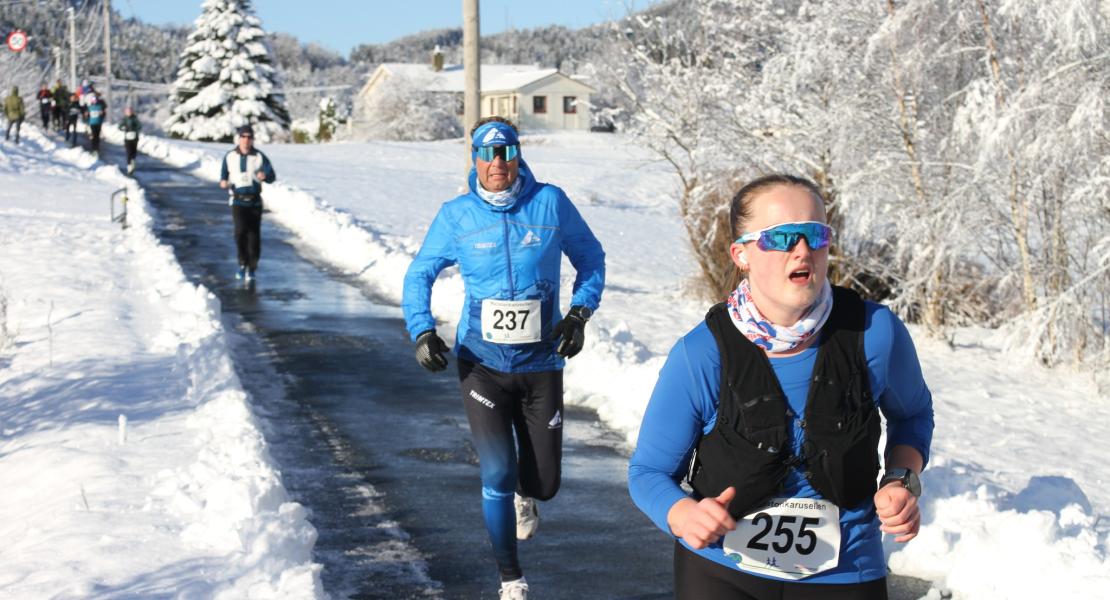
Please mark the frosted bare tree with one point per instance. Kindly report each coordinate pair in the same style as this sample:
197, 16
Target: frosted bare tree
962, 146
673, 76
400, 110
810, 107
917, 62
1036, 118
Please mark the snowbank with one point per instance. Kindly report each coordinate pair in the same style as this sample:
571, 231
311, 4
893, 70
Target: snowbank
132, 462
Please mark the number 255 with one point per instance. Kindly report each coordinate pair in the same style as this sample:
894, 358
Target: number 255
783, 530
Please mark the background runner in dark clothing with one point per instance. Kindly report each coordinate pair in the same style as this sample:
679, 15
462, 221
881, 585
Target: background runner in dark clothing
13, 111
242, 173
46, 105
95, 114
73, 114
61, 104
130, 126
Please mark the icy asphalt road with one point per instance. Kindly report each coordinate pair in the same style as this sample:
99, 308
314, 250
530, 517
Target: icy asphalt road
378, 449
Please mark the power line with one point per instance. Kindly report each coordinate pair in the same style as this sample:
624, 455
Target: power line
155, 87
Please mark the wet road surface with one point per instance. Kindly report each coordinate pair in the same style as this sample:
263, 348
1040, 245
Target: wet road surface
378, 449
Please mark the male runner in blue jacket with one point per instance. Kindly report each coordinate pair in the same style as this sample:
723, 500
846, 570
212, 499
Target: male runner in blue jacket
508, 235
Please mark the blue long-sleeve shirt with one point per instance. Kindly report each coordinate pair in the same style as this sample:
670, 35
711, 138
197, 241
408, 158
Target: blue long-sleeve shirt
683, 407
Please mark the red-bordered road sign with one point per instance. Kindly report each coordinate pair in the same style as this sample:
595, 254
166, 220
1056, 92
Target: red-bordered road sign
17, 41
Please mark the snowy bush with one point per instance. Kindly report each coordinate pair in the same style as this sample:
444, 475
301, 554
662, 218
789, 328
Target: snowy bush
402, 111
327, 122
227, 78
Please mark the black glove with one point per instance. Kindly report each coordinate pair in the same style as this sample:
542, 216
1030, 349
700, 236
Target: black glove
571, 330
429, 351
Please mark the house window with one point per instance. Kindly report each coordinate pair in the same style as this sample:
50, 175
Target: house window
570, 104
539, 104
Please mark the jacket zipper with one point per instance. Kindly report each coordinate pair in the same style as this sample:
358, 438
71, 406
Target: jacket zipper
508, 254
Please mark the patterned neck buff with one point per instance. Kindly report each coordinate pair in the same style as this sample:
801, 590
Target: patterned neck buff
501, 199
775, 338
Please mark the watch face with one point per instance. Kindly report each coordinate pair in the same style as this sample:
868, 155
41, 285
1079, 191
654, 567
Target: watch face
906, 477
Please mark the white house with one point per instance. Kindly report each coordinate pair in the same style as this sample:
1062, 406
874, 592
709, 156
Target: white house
534, 99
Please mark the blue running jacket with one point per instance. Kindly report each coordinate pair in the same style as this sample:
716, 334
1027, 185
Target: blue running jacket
512, 252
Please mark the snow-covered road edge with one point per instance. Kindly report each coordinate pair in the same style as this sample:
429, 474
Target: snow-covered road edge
231, 493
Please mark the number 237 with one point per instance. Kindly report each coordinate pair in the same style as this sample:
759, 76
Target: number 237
506, 319
785, 530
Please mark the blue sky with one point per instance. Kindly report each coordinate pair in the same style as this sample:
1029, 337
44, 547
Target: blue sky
343, 24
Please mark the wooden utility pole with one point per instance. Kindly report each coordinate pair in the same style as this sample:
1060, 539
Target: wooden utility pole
108, 57
472, 97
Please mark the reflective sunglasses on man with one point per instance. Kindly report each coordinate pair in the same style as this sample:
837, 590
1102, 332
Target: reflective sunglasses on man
784, 236
487, 153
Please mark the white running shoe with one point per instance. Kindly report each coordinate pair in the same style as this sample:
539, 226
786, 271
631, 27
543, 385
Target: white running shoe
514, 590
527, 516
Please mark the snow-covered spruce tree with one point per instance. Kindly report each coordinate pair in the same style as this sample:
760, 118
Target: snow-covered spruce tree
226, 78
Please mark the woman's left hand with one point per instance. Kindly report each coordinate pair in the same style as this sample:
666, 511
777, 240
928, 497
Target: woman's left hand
898, 511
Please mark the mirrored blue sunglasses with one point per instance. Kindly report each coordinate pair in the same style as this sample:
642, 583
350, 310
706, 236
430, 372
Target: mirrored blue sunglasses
486, 153
784, 236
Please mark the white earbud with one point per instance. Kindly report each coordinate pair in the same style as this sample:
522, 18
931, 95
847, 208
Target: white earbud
742, 258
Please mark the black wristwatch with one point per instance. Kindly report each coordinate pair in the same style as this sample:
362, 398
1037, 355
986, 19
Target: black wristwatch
583, 312
907, 477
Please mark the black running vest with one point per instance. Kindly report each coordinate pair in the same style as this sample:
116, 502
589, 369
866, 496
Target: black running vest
749, 446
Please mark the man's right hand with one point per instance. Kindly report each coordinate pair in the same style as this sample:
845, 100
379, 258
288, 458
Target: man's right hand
429, 351
702, 523
223, 184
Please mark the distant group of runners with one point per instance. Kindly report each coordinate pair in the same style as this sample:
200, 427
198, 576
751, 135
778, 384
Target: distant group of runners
61, 110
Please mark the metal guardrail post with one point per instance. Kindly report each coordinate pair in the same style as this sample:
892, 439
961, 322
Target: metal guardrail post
122, 218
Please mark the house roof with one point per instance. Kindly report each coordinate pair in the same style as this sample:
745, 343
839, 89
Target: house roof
451, 78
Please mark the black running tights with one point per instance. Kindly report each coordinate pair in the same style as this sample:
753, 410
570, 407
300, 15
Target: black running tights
698, 578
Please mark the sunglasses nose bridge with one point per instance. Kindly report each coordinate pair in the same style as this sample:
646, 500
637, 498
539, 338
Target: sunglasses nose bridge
793, 239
